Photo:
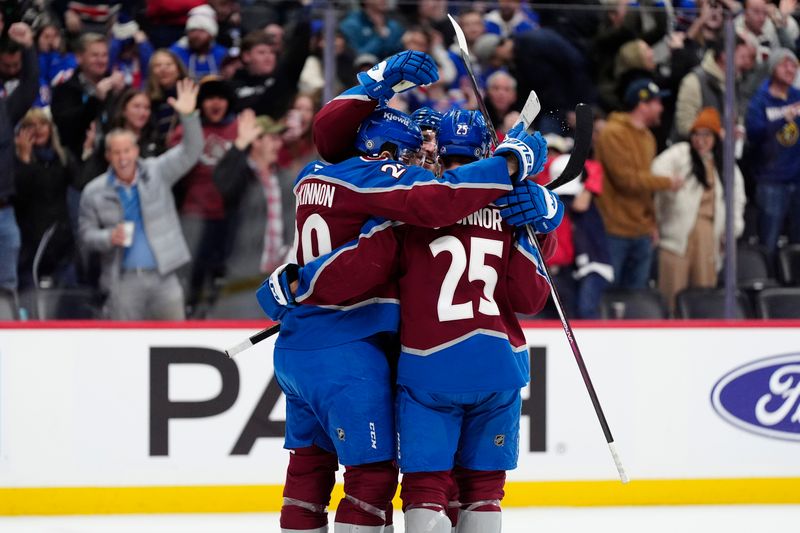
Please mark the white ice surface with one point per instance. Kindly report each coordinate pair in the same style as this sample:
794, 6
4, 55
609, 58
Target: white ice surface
666, 519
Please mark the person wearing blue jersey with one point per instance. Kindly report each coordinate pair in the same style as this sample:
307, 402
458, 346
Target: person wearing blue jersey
773, 138
463, 356
330, 360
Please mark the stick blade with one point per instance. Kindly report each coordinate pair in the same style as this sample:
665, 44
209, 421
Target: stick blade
582, 146
530, 110
460, 37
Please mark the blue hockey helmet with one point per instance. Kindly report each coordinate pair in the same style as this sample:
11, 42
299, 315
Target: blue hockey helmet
427, 118
387, 125
463, 133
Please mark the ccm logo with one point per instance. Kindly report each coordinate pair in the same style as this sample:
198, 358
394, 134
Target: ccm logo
762, 397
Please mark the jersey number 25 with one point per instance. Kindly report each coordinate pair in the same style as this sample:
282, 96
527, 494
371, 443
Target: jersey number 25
476, 269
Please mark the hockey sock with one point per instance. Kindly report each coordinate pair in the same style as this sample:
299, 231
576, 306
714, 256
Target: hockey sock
368, 490
480, 490
389, 515
453, 505
480, 493
307, 493
426, 489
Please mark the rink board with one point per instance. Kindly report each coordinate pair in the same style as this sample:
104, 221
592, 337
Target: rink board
154, 418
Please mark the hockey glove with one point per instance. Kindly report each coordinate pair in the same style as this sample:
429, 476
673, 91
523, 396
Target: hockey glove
530, 151
398, 73
530, 203
275, 294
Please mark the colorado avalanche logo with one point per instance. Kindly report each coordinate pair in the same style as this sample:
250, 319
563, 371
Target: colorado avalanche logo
462, 129
762, 397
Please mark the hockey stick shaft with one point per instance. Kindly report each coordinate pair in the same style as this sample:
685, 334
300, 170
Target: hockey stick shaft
576, 351
579, 153
462, 46
253, 340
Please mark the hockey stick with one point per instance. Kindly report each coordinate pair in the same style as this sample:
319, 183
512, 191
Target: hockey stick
253, 339
583, 114
583, 134
462, 46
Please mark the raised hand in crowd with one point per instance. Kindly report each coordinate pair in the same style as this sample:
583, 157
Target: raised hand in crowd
779, 13
88, 143
787, 7
24, 142
72, 21
676, 40
21, 33
247, 129
186, 102
114, 82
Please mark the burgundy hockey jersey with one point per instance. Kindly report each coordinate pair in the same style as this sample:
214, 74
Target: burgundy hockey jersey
460, 288
333, 203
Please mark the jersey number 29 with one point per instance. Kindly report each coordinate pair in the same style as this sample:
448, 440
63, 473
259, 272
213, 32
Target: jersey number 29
476, 269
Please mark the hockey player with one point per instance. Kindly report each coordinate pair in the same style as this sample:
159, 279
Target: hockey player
428, 121
464, 356
329, 360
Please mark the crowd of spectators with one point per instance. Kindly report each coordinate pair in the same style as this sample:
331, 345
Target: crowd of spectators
148, 149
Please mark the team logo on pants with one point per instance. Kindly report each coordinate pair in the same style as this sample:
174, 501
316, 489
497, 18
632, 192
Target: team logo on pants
499, 440
340, 433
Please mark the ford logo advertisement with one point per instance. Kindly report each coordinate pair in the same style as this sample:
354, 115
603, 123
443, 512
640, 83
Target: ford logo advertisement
762, 397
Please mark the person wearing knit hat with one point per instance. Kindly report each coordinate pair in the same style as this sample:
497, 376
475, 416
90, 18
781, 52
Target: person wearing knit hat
779, 56
215, 87
197, 49
691, 219
203, 18
708, 119
773, 137
205, 223
129, 51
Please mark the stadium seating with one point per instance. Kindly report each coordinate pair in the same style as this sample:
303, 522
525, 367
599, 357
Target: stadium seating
789, 264
708, 303
633, 304
8, 305
778, 302
753, 272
